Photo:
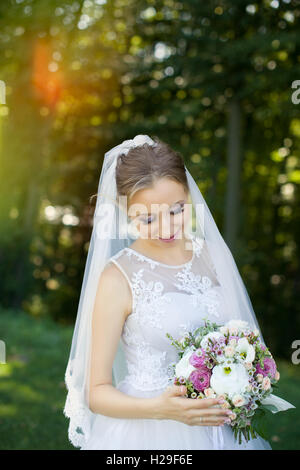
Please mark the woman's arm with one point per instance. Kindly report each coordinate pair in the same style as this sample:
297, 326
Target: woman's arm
112, 304
109, 401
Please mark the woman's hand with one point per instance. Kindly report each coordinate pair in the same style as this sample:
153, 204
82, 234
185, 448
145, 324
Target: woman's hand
171, 404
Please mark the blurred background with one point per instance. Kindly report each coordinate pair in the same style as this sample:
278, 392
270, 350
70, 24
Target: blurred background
215, 79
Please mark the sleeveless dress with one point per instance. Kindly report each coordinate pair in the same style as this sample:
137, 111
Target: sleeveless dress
165, 299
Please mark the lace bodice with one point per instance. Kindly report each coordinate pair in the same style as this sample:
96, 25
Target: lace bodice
165, 299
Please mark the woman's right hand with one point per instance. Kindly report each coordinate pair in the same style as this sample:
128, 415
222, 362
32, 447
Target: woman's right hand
172, 404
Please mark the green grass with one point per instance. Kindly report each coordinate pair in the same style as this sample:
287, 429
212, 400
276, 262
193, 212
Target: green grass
33, 393
32, 389
283, 427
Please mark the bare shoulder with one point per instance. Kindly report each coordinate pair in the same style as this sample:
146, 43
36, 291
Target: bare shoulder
113, 283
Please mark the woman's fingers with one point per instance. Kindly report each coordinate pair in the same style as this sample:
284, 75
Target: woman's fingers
207, 421
204, 402
215, 412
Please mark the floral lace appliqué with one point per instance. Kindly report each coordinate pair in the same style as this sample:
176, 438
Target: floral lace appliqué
201, 289
141, 257
150, 368
149, 299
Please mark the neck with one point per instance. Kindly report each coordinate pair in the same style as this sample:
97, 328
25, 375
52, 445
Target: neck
180, 249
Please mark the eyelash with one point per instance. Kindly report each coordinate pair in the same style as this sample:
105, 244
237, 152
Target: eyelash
147, 222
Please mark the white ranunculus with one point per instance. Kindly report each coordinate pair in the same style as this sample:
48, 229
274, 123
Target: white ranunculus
183, 368
229, 378
212, 335
243, 346
224, 330
239, 324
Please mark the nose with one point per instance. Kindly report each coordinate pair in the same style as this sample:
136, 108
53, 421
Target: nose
166, 229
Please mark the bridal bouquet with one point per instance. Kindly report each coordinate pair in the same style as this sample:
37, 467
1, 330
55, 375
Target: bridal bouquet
230, 362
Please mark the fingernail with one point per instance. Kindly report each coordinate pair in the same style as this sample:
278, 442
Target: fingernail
227, 421
221, 400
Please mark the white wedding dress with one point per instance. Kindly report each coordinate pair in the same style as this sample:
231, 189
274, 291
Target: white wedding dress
171, 299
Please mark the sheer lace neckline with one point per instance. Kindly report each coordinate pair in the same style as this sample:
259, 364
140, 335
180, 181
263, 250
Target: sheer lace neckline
153, 261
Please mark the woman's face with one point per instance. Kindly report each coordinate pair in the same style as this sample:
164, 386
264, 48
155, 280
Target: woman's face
162, 212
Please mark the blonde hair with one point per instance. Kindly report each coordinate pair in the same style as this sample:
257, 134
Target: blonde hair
143, 165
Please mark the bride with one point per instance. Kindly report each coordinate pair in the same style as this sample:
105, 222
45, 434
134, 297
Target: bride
149, 273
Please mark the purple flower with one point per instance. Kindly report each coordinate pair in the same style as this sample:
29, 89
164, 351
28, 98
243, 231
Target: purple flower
198, 361
269, 367
200, 378
220, 341
234, 337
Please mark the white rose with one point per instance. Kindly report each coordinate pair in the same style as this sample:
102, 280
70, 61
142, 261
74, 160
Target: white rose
259, 378
238, 400
239, 324
183, 368
209, 393
246, 349
229, 351
266, 383
248, 365
223, 397
214, 335
229, 378
233, 342
225, 405
224, 330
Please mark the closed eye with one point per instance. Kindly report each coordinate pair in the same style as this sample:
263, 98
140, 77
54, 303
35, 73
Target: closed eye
148, 220
180, 208
177, 211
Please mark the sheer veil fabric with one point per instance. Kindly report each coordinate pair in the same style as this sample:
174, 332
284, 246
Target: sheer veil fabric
110, 234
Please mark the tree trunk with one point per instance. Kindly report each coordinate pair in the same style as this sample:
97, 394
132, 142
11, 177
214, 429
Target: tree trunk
232, 205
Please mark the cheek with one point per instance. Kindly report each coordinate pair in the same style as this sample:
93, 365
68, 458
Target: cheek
148, 231
187, 217
181, 219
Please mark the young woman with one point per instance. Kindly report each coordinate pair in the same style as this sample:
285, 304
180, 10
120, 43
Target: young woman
167, 280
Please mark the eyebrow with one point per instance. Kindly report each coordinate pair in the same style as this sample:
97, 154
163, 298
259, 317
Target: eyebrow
174, 204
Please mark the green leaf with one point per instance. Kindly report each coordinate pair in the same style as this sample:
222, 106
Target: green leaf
259, 424
270, 407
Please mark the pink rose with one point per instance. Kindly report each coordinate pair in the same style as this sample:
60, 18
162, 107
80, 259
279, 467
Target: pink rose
200, 378
196, 360
268, 368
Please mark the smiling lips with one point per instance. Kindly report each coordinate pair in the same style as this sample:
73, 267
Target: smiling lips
169, 239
